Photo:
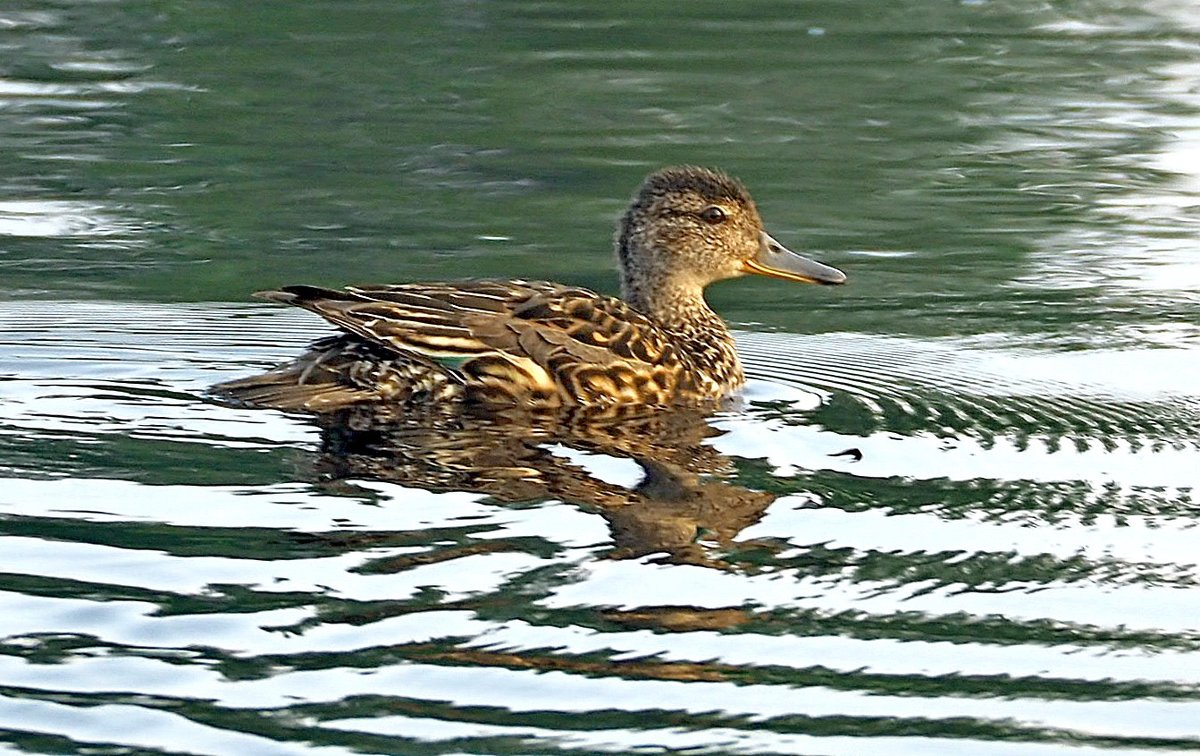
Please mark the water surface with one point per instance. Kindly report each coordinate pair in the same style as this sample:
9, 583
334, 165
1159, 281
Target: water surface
953, 513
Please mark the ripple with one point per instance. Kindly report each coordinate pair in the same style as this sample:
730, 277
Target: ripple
57, 219
12, 20
960, 387
956, 587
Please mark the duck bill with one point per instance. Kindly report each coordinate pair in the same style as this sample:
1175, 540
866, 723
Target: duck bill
777, 261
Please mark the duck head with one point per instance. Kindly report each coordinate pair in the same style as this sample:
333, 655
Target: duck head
688, 227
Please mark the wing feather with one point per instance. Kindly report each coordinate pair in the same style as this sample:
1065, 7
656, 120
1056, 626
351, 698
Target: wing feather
522, 337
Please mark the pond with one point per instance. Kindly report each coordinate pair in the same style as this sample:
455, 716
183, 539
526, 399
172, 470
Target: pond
954, 510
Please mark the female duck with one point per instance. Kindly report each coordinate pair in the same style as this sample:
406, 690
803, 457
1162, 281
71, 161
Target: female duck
535, 344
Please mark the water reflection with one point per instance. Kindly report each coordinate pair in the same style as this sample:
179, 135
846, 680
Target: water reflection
45, 218
716, 578
677, 503
1010, 569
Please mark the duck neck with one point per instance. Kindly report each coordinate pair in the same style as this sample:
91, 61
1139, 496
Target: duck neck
681, 310
678, 307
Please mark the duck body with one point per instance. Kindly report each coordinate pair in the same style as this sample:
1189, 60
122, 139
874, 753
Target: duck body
536, 344
533, 344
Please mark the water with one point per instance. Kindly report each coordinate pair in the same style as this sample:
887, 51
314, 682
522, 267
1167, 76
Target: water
953, 513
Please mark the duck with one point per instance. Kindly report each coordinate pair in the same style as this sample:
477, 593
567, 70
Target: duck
536, 345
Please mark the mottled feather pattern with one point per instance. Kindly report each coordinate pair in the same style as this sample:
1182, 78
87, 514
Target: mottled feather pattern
345, 370
528, 343
537, 344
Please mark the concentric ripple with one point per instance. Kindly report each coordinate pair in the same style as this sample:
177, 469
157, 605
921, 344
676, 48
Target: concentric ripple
887, 384
173, 568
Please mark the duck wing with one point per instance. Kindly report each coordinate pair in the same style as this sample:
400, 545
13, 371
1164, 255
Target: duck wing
534, 343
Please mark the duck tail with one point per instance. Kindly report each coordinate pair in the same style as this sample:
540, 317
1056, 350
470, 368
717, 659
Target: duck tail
283, 389
343, 371
312, 383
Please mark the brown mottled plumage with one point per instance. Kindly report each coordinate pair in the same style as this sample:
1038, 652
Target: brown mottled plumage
537, 344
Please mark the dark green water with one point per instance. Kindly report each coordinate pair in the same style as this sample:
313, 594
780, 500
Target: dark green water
1010, 568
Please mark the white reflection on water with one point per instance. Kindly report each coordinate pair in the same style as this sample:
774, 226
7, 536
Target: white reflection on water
136, 625
26, 19
558, 691
14, 91
141, 727
886, 655
720, 740
1092, 150
101, 374
1138, 607
59, 218
925, 456
1169, 259
1146, 235
334, 575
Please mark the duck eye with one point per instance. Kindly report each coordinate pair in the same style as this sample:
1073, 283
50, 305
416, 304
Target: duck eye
713, 215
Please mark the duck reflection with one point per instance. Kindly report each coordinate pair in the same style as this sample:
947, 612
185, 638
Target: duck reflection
683, 507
